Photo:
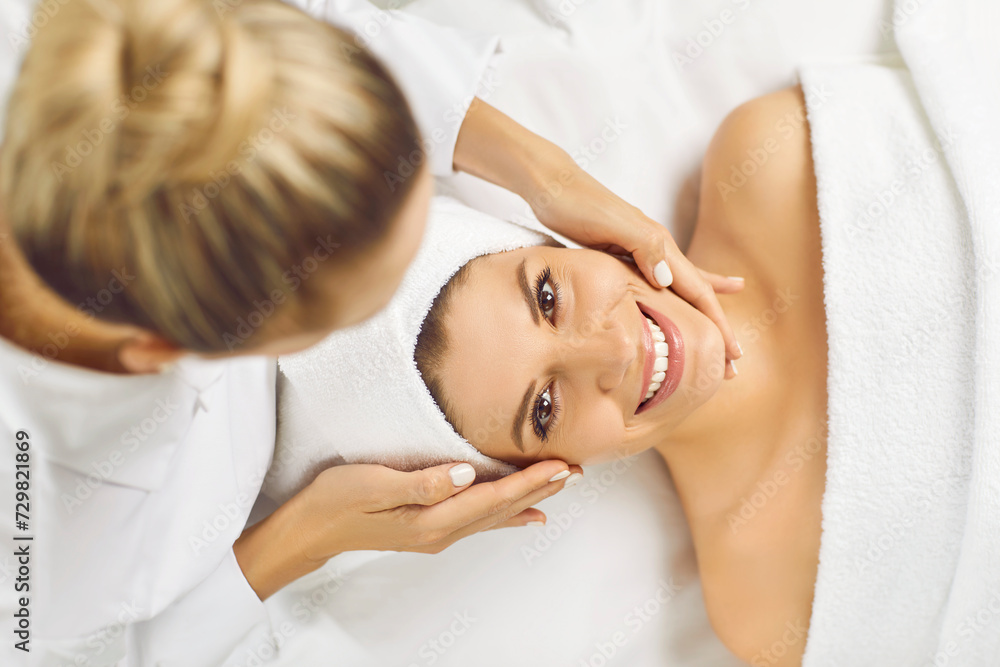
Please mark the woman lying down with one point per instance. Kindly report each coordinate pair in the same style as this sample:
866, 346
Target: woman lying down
503, 348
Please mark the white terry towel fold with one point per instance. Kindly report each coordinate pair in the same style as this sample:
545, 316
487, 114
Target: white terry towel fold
908, 188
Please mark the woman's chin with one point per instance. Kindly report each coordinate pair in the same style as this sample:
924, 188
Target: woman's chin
702, 353
701, 356
705, 372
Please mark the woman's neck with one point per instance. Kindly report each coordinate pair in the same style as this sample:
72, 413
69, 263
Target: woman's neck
741, 434
714, 447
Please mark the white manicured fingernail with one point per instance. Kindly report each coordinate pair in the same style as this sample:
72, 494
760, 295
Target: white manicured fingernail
535, 523
462, 474
573, 479
563, 475
662, 274
739, 347
732, 364
740, 278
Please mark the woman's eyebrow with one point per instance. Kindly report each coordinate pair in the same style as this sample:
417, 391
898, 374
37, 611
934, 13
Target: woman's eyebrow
526, 291
520, 417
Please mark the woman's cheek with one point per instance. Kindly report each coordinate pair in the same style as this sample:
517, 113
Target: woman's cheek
601, 437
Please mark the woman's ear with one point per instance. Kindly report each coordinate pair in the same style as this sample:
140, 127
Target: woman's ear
147, 353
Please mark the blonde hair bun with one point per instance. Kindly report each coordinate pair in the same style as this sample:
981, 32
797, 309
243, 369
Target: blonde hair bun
203, 146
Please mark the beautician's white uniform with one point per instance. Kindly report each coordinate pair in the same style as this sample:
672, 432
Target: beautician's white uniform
141, 484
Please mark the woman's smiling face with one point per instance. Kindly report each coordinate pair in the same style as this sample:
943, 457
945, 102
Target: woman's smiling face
551, 354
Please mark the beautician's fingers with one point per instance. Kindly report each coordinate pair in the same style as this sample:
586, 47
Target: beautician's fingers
663, 264
529, 517
431, 486
723, 284
364, 506
505, 513
490, 503
589, 213
689, 284
428, 486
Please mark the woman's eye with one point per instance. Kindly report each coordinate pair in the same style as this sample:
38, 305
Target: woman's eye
543, 409
547, 300
547, 294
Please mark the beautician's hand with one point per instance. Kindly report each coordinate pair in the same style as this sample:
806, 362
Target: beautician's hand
568, 200
371, 507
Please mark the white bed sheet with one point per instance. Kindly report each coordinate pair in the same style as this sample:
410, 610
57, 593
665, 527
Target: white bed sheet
599, 64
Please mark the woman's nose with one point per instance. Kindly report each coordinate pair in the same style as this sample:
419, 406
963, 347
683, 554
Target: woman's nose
603, 349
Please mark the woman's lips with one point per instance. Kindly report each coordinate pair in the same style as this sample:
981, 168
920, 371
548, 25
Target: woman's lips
675, 360
648, 357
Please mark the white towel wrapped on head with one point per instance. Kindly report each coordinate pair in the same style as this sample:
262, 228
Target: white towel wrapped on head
358, 397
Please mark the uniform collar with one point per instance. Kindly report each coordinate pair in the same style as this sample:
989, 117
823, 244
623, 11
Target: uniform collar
123, 429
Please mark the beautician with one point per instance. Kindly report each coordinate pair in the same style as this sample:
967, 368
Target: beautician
194, 190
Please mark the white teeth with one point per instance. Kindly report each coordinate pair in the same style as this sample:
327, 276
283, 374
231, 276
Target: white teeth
660, 363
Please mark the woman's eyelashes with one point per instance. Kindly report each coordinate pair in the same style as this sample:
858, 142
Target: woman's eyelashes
544, 413
547, 294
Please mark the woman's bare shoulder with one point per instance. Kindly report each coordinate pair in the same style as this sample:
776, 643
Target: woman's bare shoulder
760, 145
758, 189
